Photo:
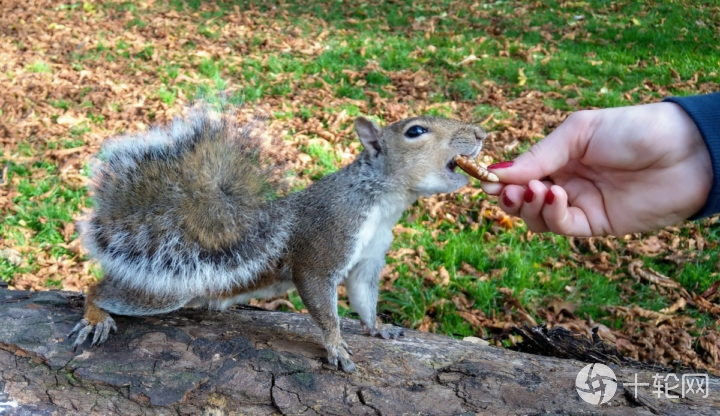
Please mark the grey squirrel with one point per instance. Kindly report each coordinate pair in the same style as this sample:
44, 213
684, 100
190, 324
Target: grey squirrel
182, 217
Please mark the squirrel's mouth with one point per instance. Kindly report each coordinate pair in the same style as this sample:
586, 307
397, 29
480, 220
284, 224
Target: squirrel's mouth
452, 165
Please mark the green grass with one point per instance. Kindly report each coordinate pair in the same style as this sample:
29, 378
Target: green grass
325, 159
613, 54
39, 67
606, 53
529, 269
42, 208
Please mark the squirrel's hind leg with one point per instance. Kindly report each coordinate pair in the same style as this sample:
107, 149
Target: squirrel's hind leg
320, 298
362, 289
94, 320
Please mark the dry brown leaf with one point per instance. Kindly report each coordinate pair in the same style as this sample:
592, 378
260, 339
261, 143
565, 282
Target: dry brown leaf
638, 272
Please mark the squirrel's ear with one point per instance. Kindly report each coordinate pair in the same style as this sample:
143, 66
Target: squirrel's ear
369, 134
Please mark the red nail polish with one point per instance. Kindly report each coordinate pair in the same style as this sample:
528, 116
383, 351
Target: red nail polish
528, 195
508, 203
501, 165
549, 197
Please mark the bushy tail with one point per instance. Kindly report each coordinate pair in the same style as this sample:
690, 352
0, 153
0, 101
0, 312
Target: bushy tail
187, 200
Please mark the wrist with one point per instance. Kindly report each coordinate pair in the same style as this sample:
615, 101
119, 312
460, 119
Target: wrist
704, 113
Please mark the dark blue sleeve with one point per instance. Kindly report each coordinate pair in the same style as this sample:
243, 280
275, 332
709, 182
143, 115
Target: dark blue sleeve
705, 111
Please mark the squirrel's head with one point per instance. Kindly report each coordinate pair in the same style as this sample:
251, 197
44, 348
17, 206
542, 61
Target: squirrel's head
418, 152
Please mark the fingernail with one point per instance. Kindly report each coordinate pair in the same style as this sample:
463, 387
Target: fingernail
528, 195
501, 165
506, 200
549, 197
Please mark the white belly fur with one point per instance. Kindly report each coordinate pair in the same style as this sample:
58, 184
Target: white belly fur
375, 235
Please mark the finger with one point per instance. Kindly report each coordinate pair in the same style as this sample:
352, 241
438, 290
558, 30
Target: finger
561, 218
492, 188
568, 141
511, 199
531, 209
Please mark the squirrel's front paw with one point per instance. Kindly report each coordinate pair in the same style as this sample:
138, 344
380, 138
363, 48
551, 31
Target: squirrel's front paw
101, 331
341, 353
385, 331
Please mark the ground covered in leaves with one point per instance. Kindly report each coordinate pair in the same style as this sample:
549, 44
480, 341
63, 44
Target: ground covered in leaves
73, 74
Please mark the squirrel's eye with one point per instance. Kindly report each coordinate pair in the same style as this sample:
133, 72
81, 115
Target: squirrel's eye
415, 131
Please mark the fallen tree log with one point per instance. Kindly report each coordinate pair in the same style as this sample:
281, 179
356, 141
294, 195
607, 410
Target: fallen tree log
259, 362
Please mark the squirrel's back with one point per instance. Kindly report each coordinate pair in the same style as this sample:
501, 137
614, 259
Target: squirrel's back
175, 208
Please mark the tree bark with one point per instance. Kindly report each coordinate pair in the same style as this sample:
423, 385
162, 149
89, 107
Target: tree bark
260, 362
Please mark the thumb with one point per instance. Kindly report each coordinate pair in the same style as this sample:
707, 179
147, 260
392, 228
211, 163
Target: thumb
568, 141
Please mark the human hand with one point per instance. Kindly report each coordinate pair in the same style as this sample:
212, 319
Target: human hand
610, 171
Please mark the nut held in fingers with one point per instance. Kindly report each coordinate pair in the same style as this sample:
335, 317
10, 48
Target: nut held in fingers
474, 170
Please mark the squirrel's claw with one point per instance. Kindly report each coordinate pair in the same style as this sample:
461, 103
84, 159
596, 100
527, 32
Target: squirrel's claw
390, 331
346, 364
385, 331
82, 329
341, 354
85, 327
102, 331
